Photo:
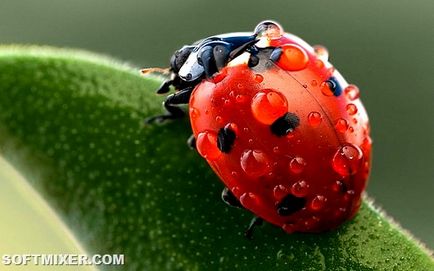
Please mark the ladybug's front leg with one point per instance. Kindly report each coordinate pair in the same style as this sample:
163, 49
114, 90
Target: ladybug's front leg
165, 87
170, 104
191, 142
229, 198
256, 221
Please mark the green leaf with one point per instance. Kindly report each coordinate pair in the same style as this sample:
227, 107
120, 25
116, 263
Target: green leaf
72, 124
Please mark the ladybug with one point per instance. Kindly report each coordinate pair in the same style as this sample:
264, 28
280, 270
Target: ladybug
280, 126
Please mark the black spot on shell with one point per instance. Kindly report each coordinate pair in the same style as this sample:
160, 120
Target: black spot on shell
285, 124
225, 139
334, 86
290, 204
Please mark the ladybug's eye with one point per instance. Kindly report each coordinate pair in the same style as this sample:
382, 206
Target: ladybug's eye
179, 57
269, 29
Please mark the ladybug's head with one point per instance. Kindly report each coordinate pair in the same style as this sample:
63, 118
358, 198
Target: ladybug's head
204, 58
189, 67
179, 57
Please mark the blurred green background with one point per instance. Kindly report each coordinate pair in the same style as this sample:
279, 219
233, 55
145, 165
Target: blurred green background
385, 47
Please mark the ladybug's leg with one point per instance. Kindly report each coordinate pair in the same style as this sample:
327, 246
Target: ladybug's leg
170, 104
221, 55
242, 48
206, 59
165, 87
256, 221
214, 56
229, 198
191, 142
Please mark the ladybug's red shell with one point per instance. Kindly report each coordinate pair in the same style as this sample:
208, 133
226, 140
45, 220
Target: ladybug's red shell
321, 165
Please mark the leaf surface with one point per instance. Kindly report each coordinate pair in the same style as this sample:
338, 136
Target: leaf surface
72, 124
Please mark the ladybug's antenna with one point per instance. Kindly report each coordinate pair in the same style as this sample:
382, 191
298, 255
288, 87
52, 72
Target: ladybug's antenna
155, 70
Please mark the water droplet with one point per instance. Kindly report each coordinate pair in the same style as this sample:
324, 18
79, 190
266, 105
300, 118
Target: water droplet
279, 192
219, 76
259, 78
366, 144
340, 212
319, 64
240, 98
236, 191
291, 136
207, 145
326, 88
194, 113
268, 105
249, 200
366, 129
293, 58
338, 187
346, 160
352, 92
351, 109
355, 121
300, 189
255, 163
297, 165
318, 202
349, 195
311, 222
233, 127
288, 228
341, 125
314, 83
366, 169
330, 71
321, 52
219, 120
269, 29
314, 119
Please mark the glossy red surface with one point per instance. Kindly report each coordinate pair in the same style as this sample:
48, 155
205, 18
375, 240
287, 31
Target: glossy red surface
325, 160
